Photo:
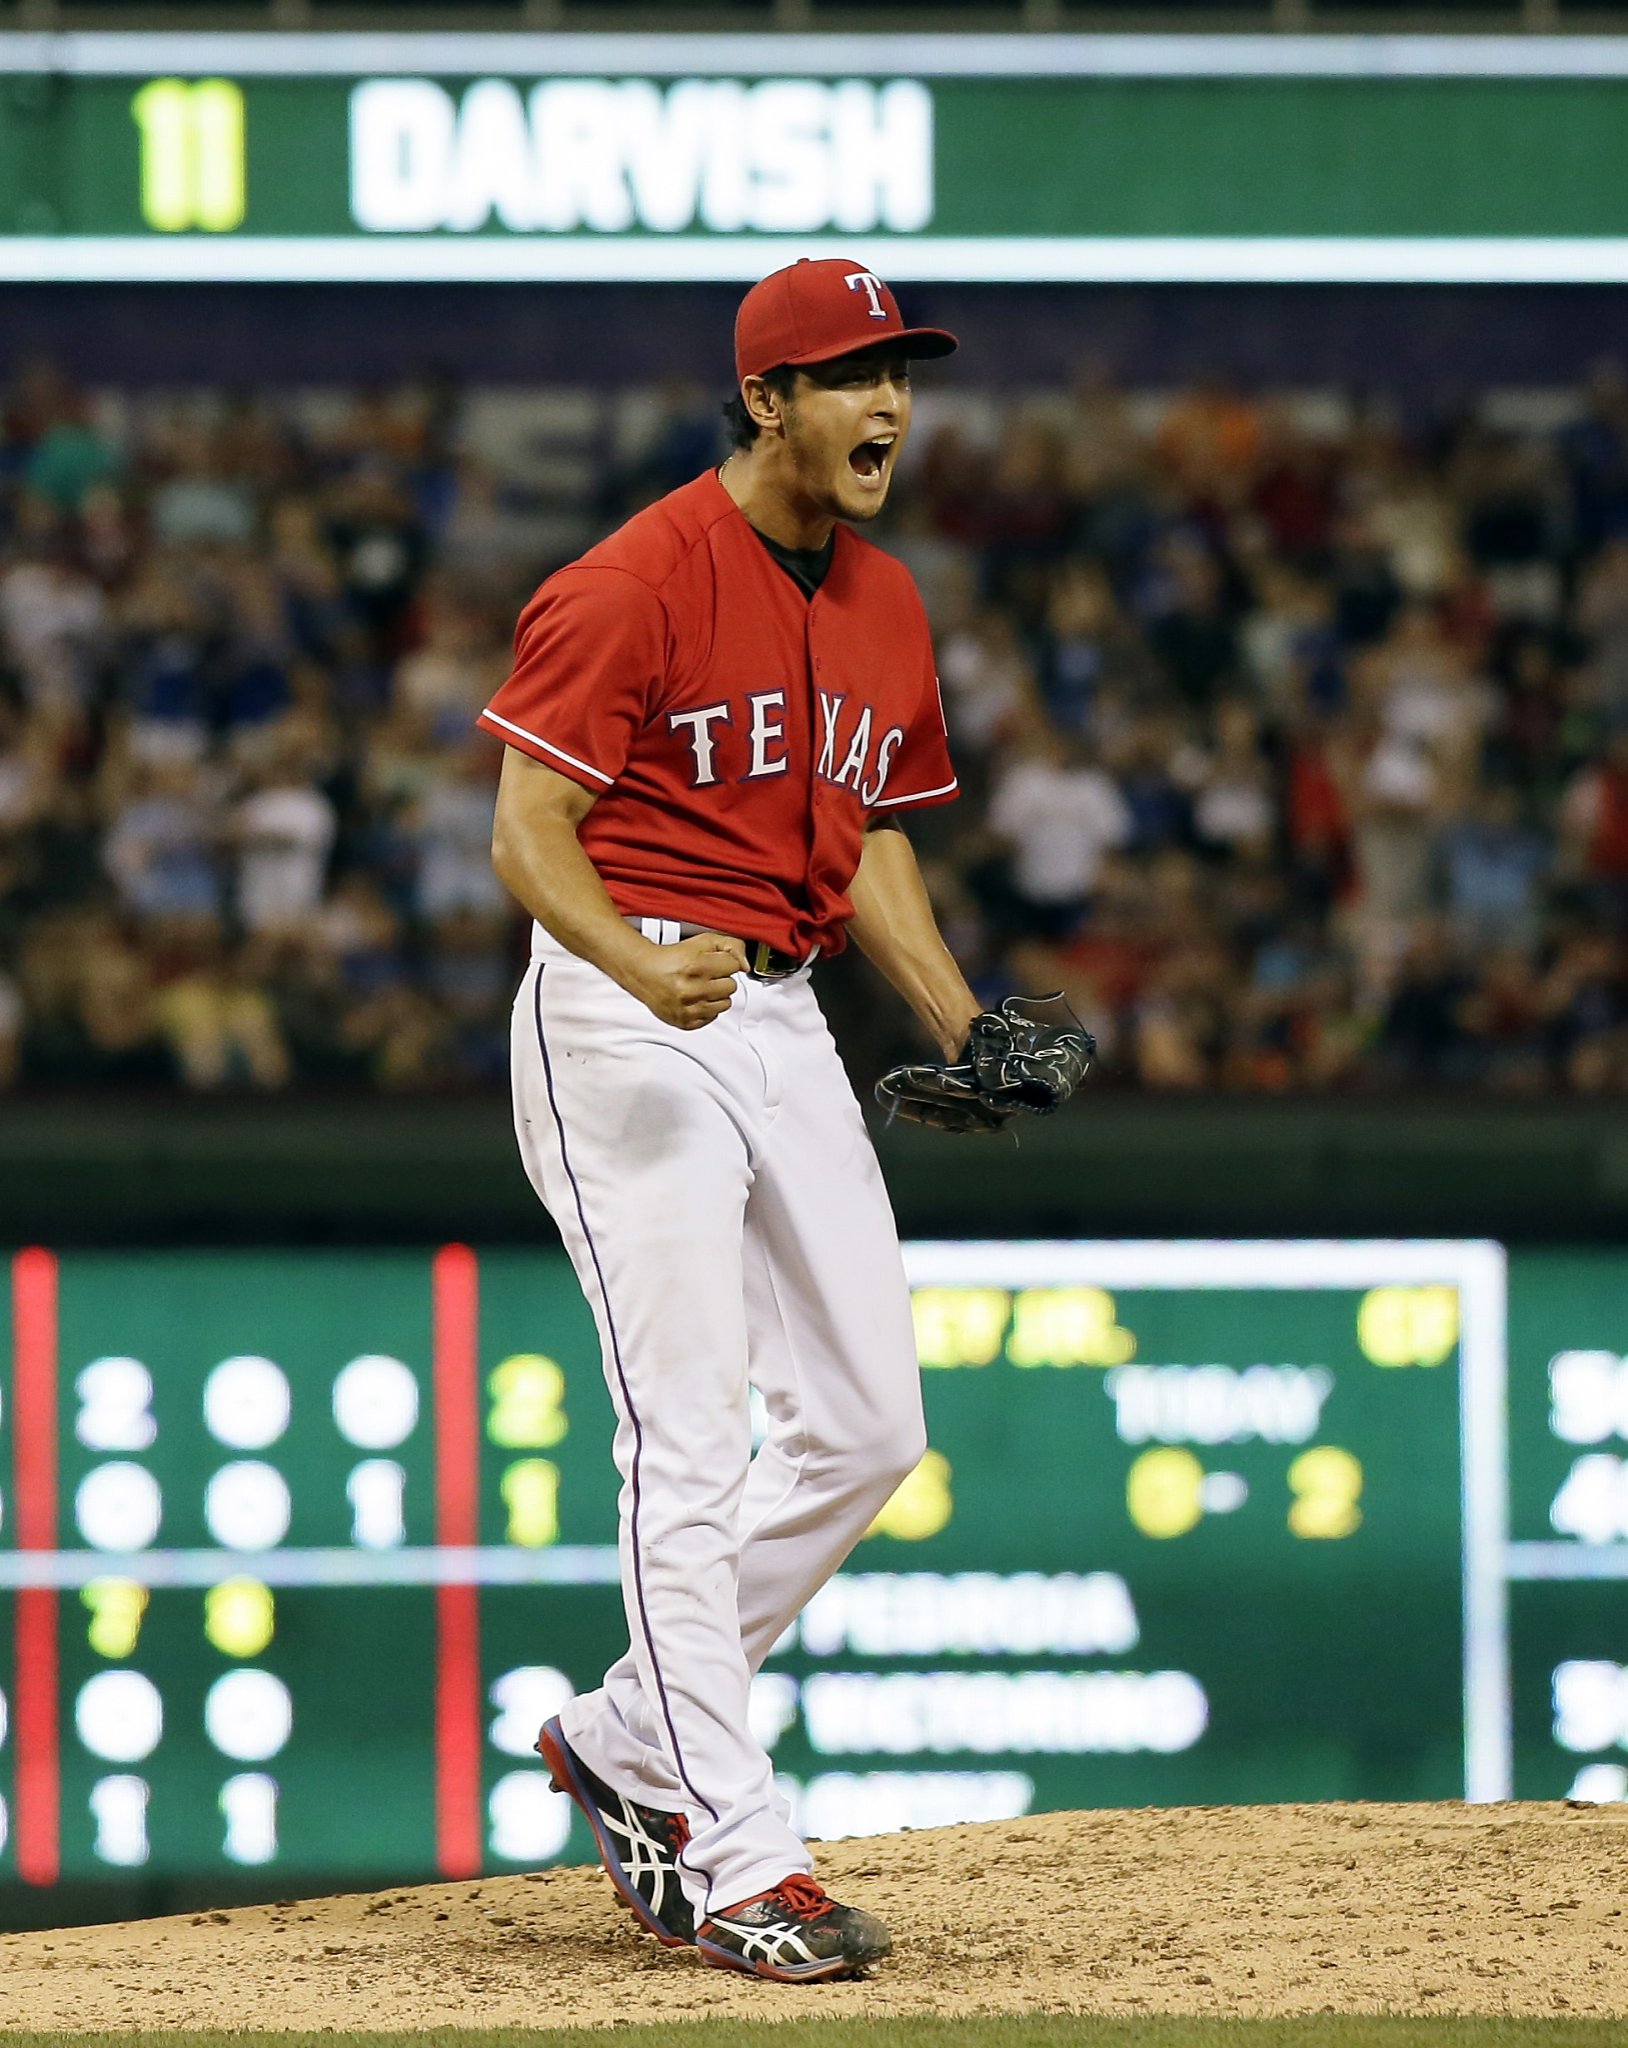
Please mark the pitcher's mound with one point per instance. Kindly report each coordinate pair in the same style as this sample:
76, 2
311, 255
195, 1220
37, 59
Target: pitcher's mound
1225, 1910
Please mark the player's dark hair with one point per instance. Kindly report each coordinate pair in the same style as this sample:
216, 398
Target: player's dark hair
743, 429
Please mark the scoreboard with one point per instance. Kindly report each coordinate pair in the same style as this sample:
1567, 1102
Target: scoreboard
297, 1550
528, 158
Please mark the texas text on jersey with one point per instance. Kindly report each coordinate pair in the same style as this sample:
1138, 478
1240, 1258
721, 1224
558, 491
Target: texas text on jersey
739, 731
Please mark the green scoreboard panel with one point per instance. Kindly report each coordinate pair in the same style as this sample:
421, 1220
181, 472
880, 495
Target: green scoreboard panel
1000, 158
297, 1551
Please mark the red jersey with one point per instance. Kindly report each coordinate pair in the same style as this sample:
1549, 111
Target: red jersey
737, 733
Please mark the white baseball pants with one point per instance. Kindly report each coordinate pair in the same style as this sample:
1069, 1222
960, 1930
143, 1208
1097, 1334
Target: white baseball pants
722, 1205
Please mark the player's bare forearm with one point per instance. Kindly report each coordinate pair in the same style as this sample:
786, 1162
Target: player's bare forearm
539, 860
894, 925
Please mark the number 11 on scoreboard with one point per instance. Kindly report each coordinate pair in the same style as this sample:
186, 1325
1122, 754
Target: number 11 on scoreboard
193, 154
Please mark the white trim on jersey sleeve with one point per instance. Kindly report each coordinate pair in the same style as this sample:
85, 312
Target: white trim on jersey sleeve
559, 753
918, 796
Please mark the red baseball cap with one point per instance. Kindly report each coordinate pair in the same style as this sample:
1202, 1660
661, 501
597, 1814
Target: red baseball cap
815, 310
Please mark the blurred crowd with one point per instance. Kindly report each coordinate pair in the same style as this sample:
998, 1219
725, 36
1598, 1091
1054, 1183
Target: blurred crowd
1294, 735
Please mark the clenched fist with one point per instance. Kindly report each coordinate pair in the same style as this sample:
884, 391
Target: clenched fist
691, 983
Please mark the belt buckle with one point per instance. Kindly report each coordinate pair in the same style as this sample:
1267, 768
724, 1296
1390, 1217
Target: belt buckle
760, 961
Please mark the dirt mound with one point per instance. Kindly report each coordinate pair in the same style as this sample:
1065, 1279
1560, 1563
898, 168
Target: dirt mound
1248, 1910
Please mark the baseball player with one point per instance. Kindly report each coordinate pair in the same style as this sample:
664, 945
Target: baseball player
715, 721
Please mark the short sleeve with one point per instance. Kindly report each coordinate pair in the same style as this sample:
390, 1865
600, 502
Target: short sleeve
588, 653
919, 773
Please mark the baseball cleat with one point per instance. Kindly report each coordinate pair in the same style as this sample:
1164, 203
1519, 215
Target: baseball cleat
794, 1934
638, 1845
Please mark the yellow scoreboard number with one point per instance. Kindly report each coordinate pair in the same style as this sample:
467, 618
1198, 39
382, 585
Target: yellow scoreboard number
193, 159
527, 1413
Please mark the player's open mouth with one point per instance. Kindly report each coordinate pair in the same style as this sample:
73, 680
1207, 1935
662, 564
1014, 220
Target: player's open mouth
870, 459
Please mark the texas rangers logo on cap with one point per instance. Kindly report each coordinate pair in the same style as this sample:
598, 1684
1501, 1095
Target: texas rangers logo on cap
818, 309
872, 286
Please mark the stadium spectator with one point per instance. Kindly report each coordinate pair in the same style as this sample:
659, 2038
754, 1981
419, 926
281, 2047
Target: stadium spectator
1054, 813
162, 841
283, 828
457, 664
51, 619
451, 824
218, 1021
1493, 868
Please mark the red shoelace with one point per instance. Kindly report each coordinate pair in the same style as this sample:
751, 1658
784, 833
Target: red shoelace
806, 1897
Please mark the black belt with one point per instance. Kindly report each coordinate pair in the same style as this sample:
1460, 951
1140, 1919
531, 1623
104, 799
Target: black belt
767, 963
763, 961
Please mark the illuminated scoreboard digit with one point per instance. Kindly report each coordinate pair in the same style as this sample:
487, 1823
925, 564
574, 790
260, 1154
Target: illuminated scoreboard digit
194, 158
297, 1551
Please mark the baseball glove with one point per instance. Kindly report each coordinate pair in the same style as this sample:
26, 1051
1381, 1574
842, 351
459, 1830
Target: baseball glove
1013, 1063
